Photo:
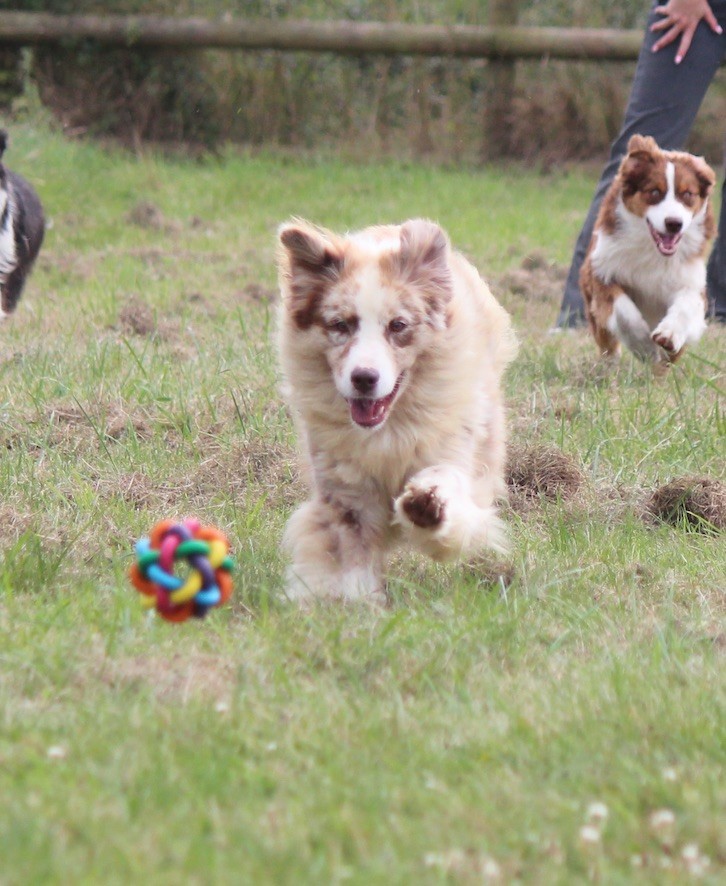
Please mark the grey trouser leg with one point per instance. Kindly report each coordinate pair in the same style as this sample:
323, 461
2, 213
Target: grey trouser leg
664, 101
716, 270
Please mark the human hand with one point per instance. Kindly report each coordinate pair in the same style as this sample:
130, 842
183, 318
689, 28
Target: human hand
681, 18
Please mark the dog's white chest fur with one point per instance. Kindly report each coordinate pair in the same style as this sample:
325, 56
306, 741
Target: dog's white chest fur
8, 256
652, 280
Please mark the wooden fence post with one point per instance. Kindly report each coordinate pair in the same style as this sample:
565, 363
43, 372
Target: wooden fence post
10, 76
499, 92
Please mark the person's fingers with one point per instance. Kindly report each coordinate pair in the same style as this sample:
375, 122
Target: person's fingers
667, 38
685, 43
712, 21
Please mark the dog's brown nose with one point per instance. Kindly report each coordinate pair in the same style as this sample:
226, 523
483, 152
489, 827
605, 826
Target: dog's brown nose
364, 380
673, 225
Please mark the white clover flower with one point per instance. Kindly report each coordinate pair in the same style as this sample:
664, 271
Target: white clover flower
690, 852
56, 752
695, 863
589, 836
491, 871
662, 823
450, 860
597, 813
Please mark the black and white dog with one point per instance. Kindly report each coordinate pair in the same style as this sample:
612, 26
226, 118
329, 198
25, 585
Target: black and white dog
21, 233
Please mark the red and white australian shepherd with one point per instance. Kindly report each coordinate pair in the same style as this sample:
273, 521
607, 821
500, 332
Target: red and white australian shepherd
644, 277
392, 350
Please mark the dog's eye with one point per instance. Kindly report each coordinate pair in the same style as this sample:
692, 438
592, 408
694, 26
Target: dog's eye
338, 327
655, 194
398, 325
687, 198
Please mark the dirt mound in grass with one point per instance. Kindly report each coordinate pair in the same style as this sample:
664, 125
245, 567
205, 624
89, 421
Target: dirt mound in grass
257, 465
536, 278
542, 471
696, 502
13, 524
137, 318
146, 214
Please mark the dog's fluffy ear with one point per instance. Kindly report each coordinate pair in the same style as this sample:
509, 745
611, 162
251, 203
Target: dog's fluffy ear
310, 260
424, 253
705, 175
642, 143
423, 262
638, 163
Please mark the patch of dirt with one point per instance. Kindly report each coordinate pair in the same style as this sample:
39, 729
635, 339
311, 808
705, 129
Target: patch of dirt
139, 491
258, 293
13, 524
137, 318
146, 214
495, 573
70, 427
258, 467
536, 278
121, 424
257, 463
541, 471
70, 421
696, 502
67, 415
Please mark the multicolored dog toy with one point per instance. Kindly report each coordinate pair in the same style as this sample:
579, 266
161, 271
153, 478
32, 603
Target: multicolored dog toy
208, 582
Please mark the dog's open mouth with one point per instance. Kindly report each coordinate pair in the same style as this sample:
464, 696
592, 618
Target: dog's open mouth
665, 243
370, 413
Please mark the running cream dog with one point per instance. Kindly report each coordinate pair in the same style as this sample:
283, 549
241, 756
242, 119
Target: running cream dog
644, 277
392, 350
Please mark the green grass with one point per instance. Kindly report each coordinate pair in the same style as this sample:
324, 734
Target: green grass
458, 736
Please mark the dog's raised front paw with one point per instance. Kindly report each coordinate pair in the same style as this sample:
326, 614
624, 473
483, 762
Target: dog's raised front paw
668, 339
423, 507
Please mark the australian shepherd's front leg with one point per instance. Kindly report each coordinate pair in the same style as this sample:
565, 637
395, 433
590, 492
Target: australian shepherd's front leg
614, 318
335, 552
439, 515
684, 323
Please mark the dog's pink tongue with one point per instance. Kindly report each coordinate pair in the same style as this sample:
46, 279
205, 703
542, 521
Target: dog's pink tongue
367, 412
666, 243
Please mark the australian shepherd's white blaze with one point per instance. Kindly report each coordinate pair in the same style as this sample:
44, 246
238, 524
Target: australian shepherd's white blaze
644, 277
392, 350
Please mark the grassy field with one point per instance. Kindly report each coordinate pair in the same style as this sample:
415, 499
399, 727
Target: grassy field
563, 725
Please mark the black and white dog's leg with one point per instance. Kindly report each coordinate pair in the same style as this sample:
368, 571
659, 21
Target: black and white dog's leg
10, 291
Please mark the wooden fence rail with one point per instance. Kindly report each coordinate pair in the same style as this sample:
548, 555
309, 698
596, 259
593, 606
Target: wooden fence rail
342, 37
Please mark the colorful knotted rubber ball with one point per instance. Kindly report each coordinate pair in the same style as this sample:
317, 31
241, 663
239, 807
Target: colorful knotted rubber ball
203, 579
